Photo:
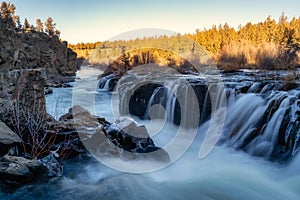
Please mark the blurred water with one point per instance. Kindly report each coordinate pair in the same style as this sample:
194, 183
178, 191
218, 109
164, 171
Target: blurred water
223, 174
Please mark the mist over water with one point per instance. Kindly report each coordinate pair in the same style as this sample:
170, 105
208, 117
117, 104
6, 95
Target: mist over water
224, 174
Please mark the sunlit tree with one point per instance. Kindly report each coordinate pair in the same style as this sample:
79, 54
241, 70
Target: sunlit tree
8, 14
39, 25
50, 26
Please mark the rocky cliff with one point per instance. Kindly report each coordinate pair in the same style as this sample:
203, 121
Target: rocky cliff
29, 61
21, 49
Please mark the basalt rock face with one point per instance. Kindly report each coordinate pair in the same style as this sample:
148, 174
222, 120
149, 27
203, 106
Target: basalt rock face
31, 50
140, 99
23, 98
29, 61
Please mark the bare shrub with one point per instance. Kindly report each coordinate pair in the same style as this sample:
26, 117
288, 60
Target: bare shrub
266, 56
31, 128
236, 55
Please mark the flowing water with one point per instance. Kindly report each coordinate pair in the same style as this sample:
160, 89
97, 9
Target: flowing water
225, 173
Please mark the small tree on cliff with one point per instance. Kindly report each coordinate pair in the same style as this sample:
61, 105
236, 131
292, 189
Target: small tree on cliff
8, 16
39, 25
50, 26
57, 33
26, 24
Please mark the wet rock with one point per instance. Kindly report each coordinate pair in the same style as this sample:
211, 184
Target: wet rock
244, 89
256, 87
54, 168
18, 171
126, 140
126, 134
288, 86
48, 90
140, 98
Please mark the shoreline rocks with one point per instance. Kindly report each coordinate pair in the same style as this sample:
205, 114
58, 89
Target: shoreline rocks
29, 62
18, 171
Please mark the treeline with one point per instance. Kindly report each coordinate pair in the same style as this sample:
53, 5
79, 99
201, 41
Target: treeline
269, 44
12, 21
106, 52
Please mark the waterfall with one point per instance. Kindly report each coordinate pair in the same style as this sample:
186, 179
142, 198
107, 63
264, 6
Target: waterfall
263, 122
105, 83
265, 125
167, 99
173, 99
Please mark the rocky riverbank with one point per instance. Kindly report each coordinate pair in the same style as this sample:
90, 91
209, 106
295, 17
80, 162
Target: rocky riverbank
33, 145
30, 61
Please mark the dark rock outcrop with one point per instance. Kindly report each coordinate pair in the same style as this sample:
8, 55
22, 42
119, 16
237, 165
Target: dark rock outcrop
25, 100
33, 50
18, 171
126, 134
103, 138
29, 61
139, 100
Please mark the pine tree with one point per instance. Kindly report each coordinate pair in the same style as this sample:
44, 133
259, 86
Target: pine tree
26, 24
57, 33
7, 11
50, 26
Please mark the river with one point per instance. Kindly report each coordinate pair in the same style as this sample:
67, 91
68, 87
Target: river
224, 173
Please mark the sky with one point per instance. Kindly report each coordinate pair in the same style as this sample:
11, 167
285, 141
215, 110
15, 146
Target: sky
100, 20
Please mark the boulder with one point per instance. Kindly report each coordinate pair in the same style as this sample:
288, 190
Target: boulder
124, 139
126, 134
7, 138
66, 131
54, 168
18, 171
80, 117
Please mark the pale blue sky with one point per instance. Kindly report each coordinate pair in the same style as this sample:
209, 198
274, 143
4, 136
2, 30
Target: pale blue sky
98, 20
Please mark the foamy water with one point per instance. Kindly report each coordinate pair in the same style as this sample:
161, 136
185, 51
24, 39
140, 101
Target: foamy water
223, 174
